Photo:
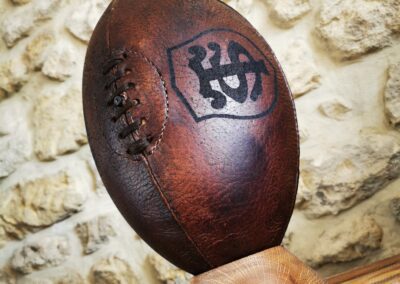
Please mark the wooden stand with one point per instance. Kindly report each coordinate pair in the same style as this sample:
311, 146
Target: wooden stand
384, 271
272, 266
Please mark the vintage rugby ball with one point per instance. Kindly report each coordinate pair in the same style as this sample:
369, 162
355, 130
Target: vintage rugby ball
193, 129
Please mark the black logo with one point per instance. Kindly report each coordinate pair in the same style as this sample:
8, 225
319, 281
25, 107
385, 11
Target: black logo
221, 73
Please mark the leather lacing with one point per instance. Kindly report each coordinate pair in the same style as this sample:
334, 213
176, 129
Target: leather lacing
119, 99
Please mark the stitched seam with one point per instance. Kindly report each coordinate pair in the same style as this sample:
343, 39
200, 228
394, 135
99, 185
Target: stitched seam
166, 111
166, 107
155, 182
166, 116
173, 213
161, 192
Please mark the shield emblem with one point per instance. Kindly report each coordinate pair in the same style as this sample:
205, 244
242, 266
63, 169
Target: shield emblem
221, 73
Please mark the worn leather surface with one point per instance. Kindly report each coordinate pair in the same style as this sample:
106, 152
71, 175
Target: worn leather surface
218, 180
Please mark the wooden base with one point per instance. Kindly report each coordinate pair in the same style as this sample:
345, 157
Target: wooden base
272, 266
384, 271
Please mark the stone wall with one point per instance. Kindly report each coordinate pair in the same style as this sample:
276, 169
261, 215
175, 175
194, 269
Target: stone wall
57, 223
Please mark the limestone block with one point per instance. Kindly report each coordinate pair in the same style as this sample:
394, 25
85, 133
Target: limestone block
13, 152
85, 17
346, 242
303, 195
287, 240
335, 108
95, 233
7, 277
44, 9
394, 19
47, 252
395, 207
113, 270
17, 25
58, 123
31, 280
244, 7
100, 188
36, 50
20, 22
285, 13
21, 2
35, 204
13, 75
303, 134
392, 95
60, 62
351, 28
343, 176
167, 272
15, 142
300, 69
3, 237
69, 277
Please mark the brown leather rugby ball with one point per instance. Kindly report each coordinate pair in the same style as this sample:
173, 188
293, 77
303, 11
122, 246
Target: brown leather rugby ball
193, 129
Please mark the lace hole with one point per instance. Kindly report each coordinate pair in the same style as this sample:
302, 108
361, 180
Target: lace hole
136, 102
118, 101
